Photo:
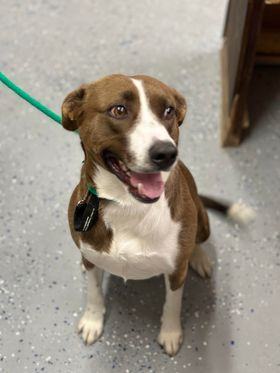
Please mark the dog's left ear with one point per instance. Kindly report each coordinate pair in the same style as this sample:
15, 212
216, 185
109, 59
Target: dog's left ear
181, 106
72, 108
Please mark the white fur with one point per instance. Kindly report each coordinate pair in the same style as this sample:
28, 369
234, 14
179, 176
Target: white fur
171, 334
110, 187
145, 239
91, 323
146, 131
241, 213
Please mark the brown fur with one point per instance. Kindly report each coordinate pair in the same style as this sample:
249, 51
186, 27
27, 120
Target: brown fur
86, 109
185, 207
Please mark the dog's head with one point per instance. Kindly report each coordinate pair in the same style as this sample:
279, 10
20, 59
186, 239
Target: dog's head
128, 126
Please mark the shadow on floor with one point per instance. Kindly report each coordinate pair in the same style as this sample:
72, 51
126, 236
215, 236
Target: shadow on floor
264, 90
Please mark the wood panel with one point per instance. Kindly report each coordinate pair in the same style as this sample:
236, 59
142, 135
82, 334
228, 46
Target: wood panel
242, 27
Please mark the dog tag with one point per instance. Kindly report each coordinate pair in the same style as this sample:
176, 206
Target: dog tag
86, 213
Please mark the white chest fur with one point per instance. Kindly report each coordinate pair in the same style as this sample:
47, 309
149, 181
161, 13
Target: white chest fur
145, 241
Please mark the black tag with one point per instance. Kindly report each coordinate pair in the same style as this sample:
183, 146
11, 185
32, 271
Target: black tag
86, 213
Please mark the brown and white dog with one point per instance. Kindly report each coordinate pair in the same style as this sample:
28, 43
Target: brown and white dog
151, 219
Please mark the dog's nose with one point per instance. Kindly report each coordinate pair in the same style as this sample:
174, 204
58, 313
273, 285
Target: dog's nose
163, 154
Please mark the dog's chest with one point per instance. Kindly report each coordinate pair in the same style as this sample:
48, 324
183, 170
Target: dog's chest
145, 241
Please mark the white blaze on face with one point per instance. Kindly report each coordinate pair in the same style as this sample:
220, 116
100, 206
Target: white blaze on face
146, 131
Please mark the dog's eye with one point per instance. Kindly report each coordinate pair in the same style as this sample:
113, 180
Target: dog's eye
169, 112
118, 111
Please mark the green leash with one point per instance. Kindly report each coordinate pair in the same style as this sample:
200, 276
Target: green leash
38, 105
44, 109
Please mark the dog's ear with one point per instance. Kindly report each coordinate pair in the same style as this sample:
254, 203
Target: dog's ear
72, 108
181, 106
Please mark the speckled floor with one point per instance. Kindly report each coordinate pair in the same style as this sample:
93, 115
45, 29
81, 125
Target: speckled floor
231, 322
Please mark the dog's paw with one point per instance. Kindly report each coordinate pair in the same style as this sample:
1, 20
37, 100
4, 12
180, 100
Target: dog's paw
91, 327
200, 262
171, 340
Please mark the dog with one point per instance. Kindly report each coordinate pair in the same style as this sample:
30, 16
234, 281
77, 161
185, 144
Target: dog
136, 212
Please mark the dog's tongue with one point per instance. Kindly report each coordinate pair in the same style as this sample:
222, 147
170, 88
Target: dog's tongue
152, 184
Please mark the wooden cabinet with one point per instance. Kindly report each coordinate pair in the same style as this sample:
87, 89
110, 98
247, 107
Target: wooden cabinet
251, 35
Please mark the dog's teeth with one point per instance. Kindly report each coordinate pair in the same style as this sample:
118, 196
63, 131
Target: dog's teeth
139, 187
123, 166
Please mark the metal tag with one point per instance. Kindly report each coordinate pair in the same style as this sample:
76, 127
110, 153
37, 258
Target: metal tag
86, 213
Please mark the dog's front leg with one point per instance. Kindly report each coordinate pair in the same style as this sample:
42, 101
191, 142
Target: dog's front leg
171, 333
91, 323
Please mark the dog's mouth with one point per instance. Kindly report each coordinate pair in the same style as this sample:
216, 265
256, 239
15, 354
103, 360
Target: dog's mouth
145, 187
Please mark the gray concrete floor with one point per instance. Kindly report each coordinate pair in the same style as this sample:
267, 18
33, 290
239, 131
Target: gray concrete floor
231, 322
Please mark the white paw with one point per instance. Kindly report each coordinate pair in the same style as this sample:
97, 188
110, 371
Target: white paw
171, 340
200, 262
91, 327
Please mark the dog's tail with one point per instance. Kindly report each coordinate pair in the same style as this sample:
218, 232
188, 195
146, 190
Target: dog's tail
238, 212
